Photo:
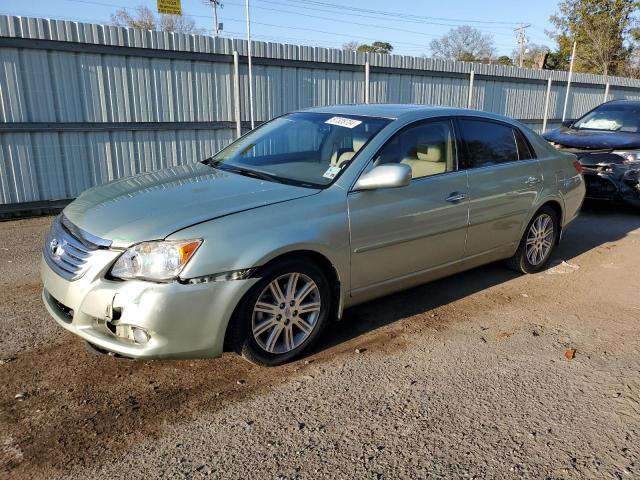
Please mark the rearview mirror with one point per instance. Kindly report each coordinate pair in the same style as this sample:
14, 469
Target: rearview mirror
567, 123
385, 176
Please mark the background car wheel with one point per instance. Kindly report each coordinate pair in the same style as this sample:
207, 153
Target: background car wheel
539, 240
283, 314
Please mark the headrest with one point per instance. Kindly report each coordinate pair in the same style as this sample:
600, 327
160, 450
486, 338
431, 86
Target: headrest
344, 157
429, 152
358, 142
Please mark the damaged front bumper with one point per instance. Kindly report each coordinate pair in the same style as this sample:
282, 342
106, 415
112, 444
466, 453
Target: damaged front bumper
139, 319
608, 177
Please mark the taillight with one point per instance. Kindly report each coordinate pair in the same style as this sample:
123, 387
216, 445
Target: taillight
578, 166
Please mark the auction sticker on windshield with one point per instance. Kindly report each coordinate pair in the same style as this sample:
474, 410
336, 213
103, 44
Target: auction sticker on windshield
331, 172
343, 122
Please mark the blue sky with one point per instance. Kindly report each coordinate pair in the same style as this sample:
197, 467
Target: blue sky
325, 23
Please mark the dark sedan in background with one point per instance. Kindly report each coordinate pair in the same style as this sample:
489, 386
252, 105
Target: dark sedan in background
607, 143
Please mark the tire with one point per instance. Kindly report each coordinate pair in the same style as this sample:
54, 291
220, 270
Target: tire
272, 320
524, 260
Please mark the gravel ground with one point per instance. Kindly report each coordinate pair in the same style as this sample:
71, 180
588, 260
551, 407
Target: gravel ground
464, 377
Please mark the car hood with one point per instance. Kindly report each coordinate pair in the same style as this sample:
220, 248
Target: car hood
593, 139
153, 205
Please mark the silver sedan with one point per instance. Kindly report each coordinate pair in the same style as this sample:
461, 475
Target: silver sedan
260, 247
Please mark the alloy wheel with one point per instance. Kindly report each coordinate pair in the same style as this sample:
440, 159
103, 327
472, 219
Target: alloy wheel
286, 313
540, 239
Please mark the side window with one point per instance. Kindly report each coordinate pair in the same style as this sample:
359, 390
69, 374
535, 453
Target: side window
428, 148
487, 143
524, 150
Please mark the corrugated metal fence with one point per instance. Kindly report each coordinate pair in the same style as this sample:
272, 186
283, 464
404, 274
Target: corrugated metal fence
82, 104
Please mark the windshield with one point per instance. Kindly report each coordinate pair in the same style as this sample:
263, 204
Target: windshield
308, 149
612, 117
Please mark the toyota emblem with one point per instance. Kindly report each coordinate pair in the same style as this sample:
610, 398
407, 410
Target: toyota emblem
56, 249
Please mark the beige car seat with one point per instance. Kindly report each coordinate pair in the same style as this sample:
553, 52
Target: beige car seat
427, 159
433, 152
343, 155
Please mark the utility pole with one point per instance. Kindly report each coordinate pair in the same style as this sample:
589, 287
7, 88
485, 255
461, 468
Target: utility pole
522, 40
249, 65
214, 8
566, 95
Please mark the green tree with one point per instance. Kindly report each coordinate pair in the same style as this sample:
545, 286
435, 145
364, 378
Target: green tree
504, 60
601, 29
376, 47
633, 63
557, 61
463, 43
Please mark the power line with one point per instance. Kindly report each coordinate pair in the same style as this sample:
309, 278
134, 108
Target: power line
411, 19
350, 22
422, 47
341, 7
325, 32
367, 38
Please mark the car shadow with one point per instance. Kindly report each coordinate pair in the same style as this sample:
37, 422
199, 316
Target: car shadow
597, 224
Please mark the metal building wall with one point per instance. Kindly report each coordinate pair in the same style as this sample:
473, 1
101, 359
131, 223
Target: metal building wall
83, 104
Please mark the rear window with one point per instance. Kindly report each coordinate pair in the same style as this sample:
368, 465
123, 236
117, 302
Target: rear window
524, 150
487, 143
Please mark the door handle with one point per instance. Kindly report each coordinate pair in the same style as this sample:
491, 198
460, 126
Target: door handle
532, 180
455, 197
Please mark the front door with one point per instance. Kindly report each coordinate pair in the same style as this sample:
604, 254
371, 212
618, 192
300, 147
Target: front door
396, 232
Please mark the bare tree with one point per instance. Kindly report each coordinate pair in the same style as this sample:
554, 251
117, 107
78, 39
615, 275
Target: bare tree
463, 43
179, 24
534, 56
143, 18
352, 46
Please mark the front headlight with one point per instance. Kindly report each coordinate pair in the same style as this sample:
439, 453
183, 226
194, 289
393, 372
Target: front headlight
629, 156
157, 261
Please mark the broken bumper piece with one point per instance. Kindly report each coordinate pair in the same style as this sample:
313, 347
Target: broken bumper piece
608, 177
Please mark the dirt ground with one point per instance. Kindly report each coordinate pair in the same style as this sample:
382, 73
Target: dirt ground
465, 377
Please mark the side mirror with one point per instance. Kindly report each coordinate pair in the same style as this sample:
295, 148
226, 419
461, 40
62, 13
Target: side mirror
385, 176
567, 123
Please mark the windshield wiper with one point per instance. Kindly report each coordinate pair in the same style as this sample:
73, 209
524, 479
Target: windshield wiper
249, 173
210, 162
219, 164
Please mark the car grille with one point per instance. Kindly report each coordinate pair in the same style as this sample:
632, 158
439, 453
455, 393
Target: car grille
581, 151
68, 249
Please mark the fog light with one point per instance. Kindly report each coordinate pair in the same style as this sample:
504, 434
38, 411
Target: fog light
140, 335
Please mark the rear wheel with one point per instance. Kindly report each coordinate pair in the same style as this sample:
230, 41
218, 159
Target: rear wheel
539, 240
283, 314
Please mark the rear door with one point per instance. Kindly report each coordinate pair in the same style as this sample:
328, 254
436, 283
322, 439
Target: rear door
504, 181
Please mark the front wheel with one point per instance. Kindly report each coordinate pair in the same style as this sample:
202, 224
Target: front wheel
283, 314
539, 240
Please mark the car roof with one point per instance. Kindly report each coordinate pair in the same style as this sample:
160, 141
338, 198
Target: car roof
622, 100
399, 110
